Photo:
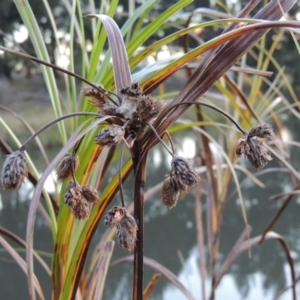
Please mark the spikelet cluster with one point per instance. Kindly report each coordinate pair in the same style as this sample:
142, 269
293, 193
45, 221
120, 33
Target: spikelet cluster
170, 192
100, 100
182, 176
110, 136
67, 166
131, 115
253, 148
126, 226
79, 199
14, 170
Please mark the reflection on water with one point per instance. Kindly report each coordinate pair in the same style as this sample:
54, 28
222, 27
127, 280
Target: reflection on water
228, 288
170, 238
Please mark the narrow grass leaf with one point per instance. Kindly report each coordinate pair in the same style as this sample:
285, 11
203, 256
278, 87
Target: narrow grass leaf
97, 280
137, 58
161, 269
78, 134
30, 129
122, 73
151, 285
36, 175
78, 257
22, 264
214, 43
128, 25
36, 37
22, 243
98, 44
200, 240
277, 215
155, 25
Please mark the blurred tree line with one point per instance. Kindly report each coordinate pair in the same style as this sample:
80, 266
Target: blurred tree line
10, 22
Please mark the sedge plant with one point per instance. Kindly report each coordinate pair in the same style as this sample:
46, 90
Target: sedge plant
117, 111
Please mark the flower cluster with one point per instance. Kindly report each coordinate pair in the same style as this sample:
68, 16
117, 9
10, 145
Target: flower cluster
129, 119
126, 226
14, 170
182, 176
110, 136
79, 199
67, 166
76, 196
253, 148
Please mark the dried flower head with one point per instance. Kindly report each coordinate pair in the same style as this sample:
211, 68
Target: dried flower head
90, 194
126, 226
75, 198
97, 97
100, 99
253, 148
130, 100
108, 108
126, 232
133, 91
184, 171
170, 192
73, 194
110, 136
148, 108
114, 216
81, 210
242, 148
261, 131
14, 170
67, 166
258, 154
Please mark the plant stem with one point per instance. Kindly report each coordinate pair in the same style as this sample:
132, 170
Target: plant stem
120, 177
160, 139
213, 223
23, 147
214, 108
61, 70
139, 165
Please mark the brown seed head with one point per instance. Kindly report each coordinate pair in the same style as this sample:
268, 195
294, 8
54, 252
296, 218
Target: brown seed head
110, 136
126, 232
108, 108
114, 216
133, 91
99, 101
170, 192
184, 171
255, 150
73, 194
126, 226
81, 210
148, 108
179, 183
157, 107
67, 166
96, 96
258, 154
90, 194
14, 170
261, 131
242, 148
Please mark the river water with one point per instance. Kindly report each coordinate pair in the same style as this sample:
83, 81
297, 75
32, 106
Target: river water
170, 238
